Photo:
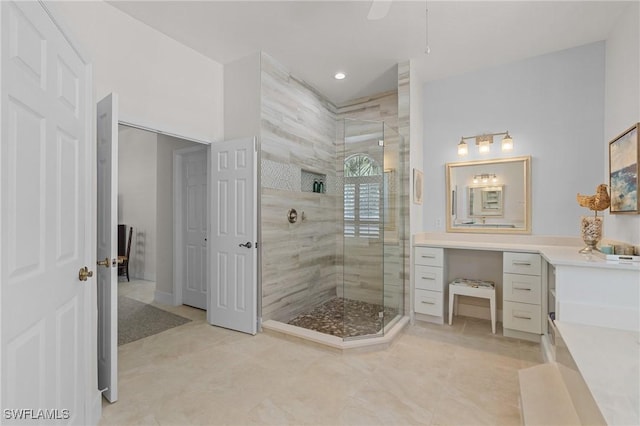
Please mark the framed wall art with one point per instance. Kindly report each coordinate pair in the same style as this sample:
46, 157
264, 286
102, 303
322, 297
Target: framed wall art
624, 157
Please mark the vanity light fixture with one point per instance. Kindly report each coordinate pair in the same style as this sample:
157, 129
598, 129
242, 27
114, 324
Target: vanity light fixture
484, 141
507, 143
463, 149
485, 178
339, 75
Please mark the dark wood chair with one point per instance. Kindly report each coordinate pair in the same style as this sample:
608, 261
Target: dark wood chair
123, 259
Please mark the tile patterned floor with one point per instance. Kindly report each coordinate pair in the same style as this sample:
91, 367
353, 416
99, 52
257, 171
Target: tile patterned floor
197, 374
345, 318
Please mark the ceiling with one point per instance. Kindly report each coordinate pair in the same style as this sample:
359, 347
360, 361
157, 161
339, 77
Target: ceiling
315, 39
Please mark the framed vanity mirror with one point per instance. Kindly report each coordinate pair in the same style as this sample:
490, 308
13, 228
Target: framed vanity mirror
489, 196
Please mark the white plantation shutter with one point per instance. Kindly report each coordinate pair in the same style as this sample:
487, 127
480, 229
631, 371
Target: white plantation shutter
369, 210
362, 208
362, 197
349, 210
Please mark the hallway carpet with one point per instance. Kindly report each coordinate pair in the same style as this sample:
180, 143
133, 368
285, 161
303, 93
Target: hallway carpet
137, 320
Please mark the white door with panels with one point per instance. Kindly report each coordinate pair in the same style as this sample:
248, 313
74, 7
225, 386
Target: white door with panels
233, 236
194, 228
107, 246
46, 220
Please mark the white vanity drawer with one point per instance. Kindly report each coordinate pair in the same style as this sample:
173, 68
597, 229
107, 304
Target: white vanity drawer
429, 256
522, 317
522, 263
522, 288
428, 302
428, 277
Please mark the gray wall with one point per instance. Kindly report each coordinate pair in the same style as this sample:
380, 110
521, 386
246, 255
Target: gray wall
622, 106
137, 197
553, 107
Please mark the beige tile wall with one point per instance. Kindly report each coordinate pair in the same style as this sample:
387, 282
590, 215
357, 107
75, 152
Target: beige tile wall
298, 131
302, 262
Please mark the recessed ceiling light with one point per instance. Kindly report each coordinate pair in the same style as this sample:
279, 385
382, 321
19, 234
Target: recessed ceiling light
339, 76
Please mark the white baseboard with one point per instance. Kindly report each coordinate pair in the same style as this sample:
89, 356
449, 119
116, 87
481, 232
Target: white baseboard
163, 298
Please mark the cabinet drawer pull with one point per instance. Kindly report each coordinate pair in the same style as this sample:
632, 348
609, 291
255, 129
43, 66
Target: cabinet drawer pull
521, 317
522, 263
428, 303
428, 278
522, 288
428, 256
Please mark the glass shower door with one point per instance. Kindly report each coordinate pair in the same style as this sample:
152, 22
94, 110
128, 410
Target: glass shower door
363, 228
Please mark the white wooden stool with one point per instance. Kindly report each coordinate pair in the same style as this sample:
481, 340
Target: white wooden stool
464, 287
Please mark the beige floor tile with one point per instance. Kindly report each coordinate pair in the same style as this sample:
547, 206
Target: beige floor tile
197, 374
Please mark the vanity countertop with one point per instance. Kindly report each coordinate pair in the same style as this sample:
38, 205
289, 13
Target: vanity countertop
609, 362
556, 250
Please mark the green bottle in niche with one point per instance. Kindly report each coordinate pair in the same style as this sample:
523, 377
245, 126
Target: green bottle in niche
315, 186
321, 187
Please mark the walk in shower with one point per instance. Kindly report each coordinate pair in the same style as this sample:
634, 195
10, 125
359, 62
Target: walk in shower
368, 297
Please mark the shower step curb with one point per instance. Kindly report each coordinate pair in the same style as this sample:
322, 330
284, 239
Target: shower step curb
369, 343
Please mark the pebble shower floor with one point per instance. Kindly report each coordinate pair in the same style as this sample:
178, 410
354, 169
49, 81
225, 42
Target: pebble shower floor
345, 318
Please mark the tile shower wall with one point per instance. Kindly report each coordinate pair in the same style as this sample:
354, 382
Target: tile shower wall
404, 79
297, 132
302, 262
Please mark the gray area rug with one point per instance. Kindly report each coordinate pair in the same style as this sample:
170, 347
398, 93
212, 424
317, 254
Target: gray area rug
137, 320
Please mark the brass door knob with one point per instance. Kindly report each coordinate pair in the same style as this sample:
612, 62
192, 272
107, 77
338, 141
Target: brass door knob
104, 262
84, 273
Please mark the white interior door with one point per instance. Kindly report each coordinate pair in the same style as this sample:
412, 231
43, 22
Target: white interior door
45, 217
233, 239
194, 228
107, 246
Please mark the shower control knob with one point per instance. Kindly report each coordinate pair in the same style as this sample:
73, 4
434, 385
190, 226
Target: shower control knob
292, 216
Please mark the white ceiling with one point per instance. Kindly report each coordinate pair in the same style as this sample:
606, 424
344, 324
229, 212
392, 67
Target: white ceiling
314, 39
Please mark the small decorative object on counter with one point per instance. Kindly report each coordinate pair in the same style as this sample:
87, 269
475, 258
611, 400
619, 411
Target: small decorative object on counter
591, 231
606, 249
591, 227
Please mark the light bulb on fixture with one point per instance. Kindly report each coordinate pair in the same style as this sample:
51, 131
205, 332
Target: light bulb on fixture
339, 76
495, 179
475, 179
507, 143
463, 149
484, 147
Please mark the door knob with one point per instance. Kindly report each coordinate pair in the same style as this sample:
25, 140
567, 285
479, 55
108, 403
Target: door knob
84, 273
247, 245
104, 262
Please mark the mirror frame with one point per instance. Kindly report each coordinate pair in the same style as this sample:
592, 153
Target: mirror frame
526, 160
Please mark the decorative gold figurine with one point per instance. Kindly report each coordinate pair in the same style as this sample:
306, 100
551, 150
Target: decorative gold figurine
591, 227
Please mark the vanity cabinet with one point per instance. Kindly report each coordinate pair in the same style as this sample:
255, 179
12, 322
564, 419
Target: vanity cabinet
429, 283
522, 295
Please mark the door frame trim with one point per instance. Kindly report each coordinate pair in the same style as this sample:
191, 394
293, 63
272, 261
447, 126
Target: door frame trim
178, 235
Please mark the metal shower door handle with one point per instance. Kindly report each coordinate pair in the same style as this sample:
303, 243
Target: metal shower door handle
247, 245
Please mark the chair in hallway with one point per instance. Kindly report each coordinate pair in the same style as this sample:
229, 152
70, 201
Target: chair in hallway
123, 258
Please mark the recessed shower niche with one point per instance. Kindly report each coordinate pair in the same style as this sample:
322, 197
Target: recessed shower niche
313, 182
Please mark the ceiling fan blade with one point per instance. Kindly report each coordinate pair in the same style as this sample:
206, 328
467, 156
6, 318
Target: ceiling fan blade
379, 9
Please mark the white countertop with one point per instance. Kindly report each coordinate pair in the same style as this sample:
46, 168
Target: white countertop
609, 361
555, 250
